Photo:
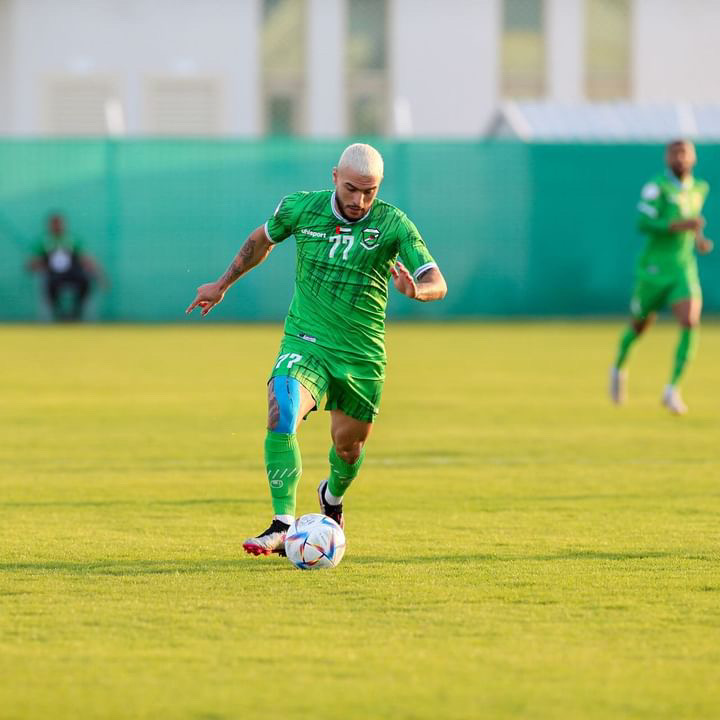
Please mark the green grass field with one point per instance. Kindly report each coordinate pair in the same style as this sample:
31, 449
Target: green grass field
517, 548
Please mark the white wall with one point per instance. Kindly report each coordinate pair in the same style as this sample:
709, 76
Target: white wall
6, 40
675, 50
132, 40
443, 57
326, 107
443, 60
565, 43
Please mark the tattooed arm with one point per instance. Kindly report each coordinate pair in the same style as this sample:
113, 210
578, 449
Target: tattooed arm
256, 248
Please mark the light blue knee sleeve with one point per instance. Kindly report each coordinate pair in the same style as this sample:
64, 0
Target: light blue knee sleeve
287, 394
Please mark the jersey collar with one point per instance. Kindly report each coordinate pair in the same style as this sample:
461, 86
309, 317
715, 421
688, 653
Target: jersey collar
685, 184
338, 215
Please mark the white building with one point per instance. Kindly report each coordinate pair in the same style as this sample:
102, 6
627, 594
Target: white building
327, 68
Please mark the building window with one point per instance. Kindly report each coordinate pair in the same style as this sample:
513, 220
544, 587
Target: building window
183, 106
79, 105
366, 67
283, 66
607, 49
523, 49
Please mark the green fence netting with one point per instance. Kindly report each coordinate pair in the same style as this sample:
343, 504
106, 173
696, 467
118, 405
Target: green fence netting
517, 229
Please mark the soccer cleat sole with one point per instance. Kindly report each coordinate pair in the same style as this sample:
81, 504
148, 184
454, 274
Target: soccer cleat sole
252, 549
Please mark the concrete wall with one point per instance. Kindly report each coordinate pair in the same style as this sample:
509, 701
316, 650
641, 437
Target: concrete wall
6, 41
442, 77
565, 33
326, 107
676, 55
443, 58
131, 41
444, 64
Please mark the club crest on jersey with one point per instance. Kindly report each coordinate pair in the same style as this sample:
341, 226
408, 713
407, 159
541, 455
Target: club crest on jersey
370, 239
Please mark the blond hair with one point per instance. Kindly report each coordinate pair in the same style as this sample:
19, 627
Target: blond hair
363, 159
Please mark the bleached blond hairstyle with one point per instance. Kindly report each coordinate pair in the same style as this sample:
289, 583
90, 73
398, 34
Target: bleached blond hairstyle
363, 159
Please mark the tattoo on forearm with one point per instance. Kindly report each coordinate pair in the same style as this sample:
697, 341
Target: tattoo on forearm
247, 250
241, 263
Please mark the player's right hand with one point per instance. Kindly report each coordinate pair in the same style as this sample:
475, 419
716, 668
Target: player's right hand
403, 280
208, 296
694, 224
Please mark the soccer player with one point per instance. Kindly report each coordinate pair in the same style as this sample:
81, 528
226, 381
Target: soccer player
670, 215
61, 258
347, 243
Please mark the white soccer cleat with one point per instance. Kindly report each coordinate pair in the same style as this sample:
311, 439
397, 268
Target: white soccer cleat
268, 542
673, 401
618, 386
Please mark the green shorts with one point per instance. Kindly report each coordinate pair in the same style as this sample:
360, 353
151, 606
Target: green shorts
351, 385
655, 292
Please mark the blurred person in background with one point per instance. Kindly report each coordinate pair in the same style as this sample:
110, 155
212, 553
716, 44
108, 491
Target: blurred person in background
670, 216
67, 269
348, 246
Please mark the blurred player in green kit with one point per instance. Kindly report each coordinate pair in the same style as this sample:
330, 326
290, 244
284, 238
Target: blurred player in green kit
349, 245
670, 215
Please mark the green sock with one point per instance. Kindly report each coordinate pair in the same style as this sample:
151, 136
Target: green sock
686, 347
628, 338
342, 473
284, 467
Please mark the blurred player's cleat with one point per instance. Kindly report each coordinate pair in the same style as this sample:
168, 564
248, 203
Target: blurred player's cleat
672, 400
335, 512
618, 386
268, 542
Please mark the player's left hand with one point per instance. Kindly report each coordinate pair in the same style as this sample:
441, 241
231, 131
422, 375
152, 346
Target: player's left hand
403, 280
704, 245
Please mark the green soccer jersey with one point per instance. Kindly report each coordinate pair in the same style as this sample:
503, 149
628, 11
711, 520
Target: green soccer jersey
59, 253
342, 271
665, 200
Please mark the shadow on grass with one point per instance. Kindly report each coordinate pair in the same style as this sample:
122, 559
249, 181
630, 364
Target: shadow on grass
590, 555
129, 503
129, 568
603, 555
132, 568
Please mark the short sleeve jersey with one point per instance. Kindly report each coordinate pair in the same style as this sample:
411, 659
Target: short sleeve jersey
343, 268
60, 254
663, 201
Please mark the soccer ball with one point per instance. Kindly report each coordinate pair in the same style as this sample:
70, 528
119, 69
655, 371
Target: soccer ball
315, 541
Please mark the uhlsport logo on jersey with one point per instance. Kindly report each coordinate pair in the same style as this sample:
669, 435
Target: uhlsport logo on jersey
313, 233
370, 239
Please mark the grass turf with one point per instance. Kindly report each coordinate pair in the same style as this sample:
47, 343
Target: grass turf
518, 548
